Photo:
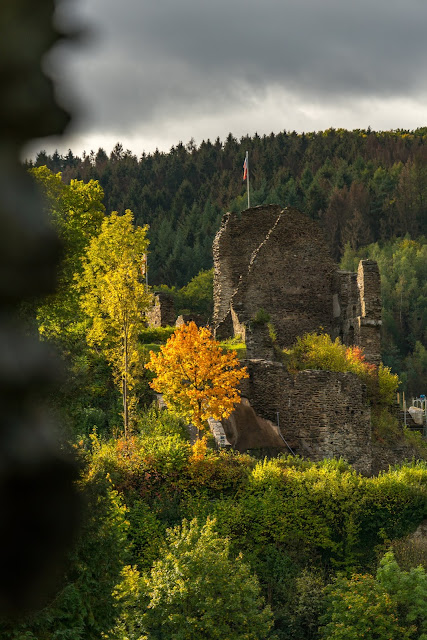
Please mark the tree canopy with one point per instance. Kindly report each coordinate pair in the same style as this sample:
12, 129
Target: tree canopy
362, 186
196, 377
195, 590
115, 296
76, 210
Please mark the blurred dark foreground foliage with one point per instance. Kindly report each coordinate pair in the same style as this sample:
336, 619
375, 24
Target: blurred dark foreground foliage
38, 498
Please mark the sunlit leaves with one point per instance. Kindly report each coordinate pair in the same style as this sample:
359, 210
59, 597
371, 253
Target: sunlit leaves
195, 590
115, 297
197, 379
76, 211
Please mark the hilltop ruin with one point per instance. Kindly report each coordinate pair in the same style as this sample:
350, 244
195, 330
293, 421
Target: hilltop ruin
274, 263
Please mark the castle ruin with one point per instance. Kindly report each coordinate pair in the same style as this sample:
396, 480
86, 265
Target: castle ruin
274, 263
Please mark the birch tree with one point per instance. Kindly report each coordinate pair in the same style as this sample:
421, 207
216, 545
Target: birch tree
115, 298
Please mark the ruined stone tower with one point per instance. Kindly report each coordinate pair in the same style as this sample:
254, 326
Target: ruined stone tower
276, 261
162, 312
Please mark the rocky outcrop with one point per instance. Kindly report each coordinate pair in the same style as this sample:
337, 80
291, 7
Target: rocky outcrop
245, 430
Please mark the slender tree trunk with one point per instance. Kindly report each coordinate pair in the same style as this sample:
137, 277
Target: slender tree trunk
125, 389
198, 419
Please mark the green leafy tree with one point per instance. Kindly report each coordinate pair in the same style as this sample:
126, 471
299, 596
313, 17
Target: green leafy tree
361, 608
114, 297
76, 211
409, 589
195, 590
392, 606
197, 295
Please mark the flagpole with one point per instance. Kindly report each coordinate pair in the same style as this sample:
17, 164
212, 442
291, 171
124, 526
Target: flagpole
247, 180
146, 271
145, 263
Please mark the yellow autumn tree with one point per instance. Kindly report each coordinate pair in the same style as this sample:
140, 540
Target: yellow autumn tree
114, 297
197, 378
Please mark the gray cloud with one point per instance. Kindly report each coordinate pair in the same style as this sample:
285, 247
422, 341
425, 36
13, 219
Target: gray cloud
152, 60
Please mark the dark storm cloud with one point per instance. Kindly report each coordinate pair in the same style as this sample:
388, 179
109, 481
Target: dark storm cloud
151, 59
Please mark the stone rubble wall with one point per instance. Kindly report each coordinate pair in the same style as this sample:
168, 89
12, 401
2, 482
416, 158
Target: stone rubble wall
162, 312
346, 300
369, 322
278, 261
236, 240
322, 414
290, 277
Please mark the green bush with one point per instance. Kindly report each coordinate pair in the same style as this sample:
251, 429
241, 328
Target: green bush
361, 608
391, 606
161, 422
287, 515
195, 590
317, 351
261, 317
156, 335
235, 344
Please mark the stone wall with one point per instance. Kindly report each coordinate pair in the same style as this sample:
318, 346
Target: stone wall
290, 276
385, 455
369, 322
236, 240
357, 309
162, 312
277, 261
322, 414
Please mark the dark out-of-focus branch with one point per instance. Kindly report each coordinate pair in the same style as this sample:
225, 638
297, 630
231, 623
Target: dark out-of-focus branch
39, 505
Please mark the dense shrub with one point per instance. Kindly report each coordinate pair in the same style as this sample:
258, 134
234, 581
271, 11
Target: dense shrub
392, 606
319, 351
160, 422
195, 590
286, 515
157, 335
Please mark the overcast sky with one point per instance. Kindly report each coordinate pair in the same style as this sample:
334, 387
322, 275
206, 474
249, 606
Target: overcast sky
152, 73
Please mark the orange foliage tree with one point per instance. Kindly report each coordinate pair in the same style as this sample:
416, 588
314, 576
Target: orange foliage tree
197, 378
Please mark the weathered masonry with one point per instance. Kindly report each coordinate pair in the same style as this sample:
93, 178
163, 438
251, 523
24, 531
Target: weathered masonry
274, 261
162, 313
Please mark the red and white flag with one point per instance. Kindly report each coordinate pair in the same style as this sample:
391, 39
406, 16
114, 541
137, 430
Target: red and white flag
245, 168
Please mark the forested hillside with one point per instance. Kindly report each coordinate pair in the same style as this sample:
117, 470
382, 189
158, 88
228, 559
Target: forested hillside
363, 187
184, 542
